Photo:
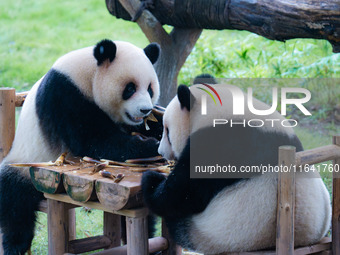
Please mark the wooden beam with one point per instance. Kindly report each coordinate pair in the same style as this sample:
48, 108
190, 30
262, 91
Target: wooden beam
317, 155
336, 204
323, 247
155, 244
89, 244
7, 120
133, 213
20, 98
285, 202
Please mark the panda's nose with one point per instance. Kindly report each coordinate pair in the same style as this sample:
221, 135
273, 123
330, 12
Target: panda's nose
145, 111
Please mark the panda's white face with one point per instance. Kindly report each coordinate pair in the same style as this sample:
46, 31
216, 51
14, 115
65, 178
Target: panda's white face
137, 103
176, 122
126, 88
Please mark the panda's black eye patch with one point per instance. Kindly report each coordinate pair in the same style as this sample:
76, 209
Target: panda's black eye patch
129, 90
150, 91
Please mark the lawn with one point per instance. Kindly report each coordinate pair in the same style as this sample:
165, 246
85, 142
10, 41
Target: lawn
33, 34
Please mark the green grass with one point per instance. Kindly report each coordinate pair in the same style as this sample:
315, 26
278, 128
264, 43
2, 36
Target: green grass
33, 34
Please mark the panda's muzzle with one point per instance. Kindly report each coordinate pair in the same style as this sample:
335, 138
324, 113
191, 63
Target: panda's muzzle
134, 119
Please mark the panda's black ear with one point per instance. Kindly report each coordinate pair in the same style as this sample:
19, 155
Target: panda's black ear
152, 51
185, 97
105, 50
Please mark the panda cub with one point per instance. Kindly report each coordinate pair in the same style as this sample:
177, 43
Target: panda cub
212, 216
87, 104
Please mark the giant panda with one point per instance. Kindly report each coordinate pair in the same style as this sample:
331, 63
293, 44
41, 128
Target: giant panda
212, 216
87, 104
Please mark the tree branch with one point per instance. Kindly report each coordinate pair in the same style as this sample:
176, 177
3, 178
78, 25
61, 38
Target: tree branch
274, 19
150, 26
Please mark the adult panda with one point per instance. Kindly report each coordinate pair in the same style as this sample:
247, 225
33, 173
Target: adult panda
87, 104
212, 216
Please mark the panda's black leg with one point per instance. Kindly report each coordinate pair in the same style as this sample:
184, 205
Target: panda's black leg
19, 201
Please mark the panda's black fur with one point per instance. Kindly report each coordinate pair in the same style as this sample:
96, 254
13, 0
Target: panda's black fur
178, 197
69, 121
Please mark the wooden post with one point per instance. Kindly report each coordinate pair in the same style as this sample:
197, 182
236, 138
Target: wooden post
72, 224
336, 204
112, 226
173, 248
7, 126
137, 236
285, 202
58, 228
7, 120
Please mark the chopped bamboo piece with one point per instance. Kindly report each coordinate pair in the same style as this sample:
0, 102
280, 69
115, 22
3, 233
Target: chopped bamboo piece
61, 159
145, 160
119, 177
151, 117
107, 174
59, 162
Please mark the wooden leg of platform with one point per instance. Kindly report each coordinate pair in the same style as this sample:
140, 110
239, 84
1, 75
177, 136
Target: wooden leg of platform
112, 226
58, 227
173, 248
72, 224
137, 236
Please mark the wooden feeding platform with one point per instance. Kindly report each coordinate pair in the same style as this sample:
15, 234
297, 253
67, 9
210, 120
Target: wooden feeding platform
82, 183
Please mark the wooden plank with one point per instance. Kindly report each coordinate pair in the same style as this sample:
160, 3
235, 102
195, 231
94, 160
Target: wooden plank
137, 236
49, 179
58, 231
285, 202
336, 204
313, 249
317, 155
7, 120
89, 244
79, 184
112, 228
173, 248
126, 193
138, 212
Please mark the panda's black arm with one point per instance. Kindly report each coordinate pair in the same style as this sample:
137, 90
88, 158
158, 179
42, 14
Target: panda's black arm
68, 119
178, 195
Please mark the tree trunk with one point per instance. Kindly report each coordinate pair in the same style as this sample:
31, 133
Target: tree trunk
175, 47
274, 19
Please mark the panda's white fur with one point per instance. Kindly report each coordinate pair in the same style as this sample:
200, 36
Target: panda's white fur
29, 144
242, 216
79, 106
240, 219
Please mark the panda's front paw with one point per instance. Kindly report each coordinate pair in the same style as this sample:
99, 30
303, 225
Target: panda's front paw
150, 181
